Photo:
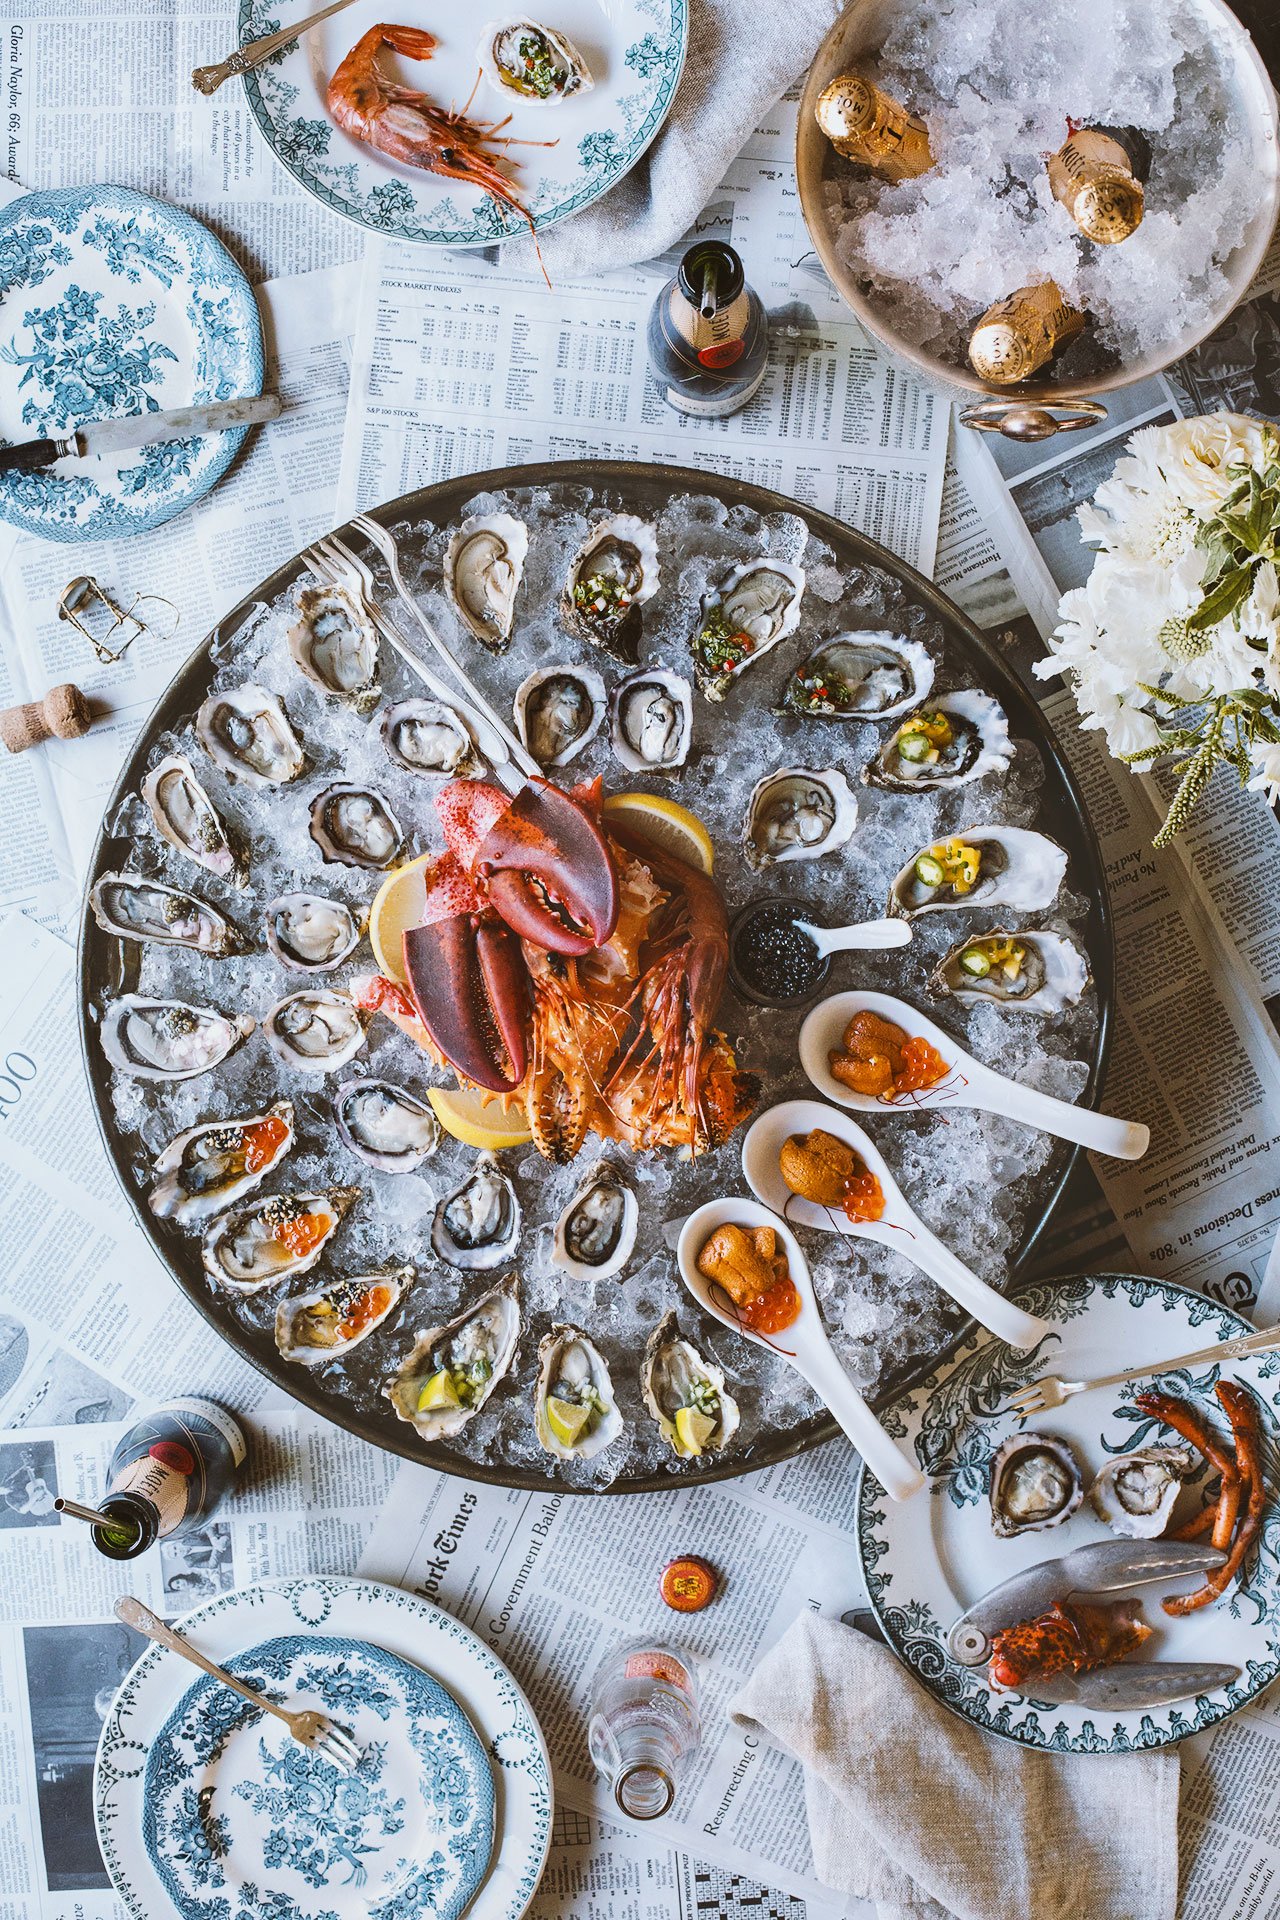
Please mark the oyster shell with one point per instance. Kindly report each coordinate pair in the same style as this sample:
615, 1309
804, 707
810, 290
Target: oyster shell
1021, 971
355, 826
453, 1369
651, 720
311, 933
167, 1039
1136, 1492
1036, 1482
314, 1328
272, 1238
757, 606
478, 1224
186, 817
135, 908
575, 1414
246, 732
675, 1378
483, 567
385, 1125
315, 1030
597, 1230
335, 647
558, 712
611, 576
1016, 868
798, 813
860, 676
957, 738
208, 1167
428, 736
521, 58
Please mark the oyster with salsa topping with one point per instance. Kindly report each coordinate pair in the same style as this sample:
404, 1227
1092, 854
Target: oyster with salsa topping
956, 738
860, 676
981, 867
612, 575
686, 1393
523, 58
1021, 971
453, 1369
757, 606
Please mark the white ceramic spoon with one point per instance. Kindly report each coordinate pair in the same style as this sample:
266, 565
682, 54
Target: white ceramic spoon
898, 1227
804, 1343
968, 1084
864, 933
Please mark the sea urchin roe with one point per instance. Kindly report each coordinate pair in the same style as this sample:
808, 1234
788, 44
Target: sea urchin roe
773, 957
262, 1140
880, 1059
750, 1264
826, 1170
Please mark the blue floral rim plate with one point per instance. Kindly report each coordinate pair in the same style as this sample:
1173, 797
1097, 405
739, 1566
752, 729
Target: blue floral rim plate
111, 304
206, 1806
635, 50
926, 1560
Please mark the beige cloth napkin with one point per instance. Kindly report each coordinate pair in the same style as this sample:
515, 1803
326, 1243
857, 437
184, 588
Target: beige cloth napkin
912, 1807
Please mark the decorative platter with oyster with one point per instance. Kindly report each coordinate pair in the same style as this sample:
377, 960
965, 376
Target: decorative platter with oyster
264, 1079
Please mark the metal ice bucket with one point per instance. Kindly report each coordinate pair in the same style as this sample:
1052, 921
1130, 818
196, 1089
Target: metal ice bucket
1048, 405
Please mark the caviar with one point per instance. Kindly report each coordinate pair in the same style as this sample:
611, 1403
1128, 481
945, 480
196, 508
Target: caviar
771, 956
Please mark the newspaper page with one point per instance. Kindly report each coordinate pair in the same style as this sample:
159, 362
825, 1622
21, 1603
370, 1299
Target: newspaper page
461, 364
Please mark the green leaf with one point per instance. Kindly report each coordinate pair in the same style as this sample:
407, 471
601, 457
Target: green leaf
1230, 593
1220, 554
1240, 530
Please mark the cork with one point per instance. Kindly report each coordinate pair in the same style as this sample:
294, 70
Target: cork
64, 713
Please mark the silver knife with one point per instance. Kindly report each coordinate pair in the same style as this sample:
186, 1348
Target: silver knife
1124, 1689
140, 430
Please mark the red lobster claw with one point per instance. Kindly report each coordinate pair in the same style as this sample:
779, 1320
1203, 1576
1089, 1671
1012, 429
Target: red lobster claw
471, 988
545, 867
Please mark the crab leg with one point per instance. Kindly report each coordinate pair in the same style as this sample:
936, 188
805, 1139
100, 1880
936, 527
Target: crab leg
1246, 1425
1192, 1425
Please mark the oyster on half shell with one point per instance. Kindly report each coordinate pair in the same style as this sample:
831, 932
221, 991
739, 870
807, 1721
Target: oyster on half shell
558, 712
384, 1125
453, 1369
1020, 971
135, 908
483, 568
756, 606
167, 1039
246, 732
272, 1238
478, 1224
980, 867
954, 739
315, 1030
686, 1393
860, 676
186, 817
311, 933
333, 644
597, 1230
522, 59
355, 826
798, 813
428, 736
575, 1414
211, 1166
651, 720
614, 572
1136, 1492
314, 1328
1036, 1482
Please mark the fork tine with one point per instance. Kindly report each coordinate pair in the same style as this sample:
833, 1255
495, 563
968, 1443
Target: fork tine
338, 1749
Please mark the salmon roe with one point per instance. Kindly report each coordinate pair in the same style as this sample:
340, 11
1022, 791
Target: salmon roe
263, 1139
364, 1310
772, 1310
880, 1059
863, 1197
300, 1235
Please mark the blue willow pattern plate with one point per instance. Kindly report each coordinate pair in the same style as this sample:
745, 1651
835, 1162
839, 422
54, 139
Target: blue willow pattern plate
200, 1804
239, 1819
635, 50
113, 304
927, 1559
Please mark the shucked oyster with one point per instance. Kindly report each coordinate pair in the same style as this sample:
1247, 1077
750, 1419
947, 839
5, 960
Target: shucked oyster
314, 1328
860, 676
453, 1369
316, 1030
558, 712
211, 1166
611, 576
483, 567
981, 867
355, 826
310, 933
686, 1393
597, 1230
272, 1238
957, 738
478, 1224
386, 1126
427, 736
798, 813
1136, 1492
1035, 1483
757, 606
574, 1414
335, 647
522, 58
652, 720
167, 1039
135, 908
1020, 971
186, 817
246, 732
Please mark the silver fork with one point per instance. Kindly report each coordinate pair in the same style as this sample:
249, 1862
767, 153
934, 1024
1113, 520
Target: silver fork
254, 52
1038, 1396
308, 1728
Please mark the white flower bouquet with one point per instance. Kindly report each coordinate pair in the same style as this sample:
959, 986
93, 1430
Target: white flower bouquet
1173, 646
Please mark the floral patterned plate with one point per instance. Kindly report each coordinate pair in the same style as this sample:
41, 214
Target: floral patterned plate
926, 1560
208, 1807
113, 304
634, 49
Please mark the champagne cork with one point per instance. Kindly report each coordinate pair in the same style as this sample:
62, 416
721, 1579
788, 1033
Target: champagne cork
865, 124
1019, 335
63, 713
1092, 176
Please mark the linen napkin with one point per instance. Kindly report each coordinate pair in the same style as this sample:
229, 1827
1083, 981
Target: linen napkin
742, 55
914, 1808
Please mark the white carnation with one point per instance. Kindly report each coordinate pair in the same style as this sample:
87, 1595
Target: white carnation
1196, 457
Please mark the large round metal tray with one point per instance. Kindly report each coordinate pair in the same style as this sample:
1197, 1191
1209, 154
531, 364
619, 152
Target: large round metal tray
638, 488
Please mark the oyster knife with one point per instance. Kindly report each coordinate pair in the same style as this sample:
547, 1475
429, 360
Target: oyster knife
1150, 1683
138, 430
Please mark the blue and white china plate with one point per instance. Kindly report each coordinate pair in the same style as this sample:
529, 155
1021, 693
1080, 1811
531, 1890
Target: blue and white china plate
236, 1811
635, 50
928, 1559
113, 304
205, 1806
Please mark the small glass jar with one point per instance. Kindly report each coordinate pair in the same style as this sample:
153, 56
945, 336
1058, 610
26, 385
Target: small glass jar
644, 1725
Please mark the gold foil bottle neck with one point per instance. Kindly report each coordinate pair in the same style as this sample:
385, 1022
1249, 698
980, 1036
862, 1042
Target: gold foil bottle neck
1092, 177
1021, 333
1108, 210
866, 124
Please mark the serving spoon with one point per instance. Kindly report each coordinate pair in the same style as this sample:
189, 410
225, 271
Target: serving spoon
898, 1227
967, 1084
858, 935
804, 1344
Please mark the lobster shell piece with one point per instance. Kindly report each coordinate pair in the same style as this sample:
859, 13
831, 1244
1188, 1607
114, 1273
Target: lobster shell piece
1073, 1636
471, 989
545, 867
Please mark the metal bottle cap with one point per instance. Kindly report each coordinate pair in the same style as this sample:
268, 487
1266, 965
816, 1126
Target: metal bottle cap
1108, 210
998, 351
846, 107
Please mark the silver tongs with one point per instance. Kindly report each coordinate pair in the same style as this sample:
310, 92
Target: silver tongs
1104, 1566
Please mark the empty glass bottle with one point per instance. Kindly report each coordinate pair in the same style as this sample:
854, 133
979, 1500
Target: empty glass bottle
644, 1725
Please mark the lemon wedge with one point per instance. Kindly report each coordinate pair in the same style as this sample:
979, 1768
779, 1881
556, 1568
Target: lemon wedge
466, 1116
665, 822
400, 902
439, 1391
693, 1429
566, 1420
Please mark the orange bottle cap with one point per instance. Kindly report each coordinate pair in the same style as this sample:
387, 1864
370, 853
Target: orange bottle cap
689, 1584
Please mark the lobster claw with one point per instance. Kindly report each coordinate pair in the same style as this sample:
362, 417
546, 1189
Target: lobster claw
471, 989
547, 870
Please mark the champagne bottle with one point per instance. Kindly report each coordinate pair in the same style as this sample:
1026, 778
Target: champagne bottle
708, 337
1097, 174
166, 1475
868, 125
1022, 332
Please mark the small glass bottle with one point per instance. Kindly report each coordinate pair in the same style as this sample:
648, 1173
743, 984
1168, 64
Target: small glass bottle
708, 336
644, 1725
165, 1477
